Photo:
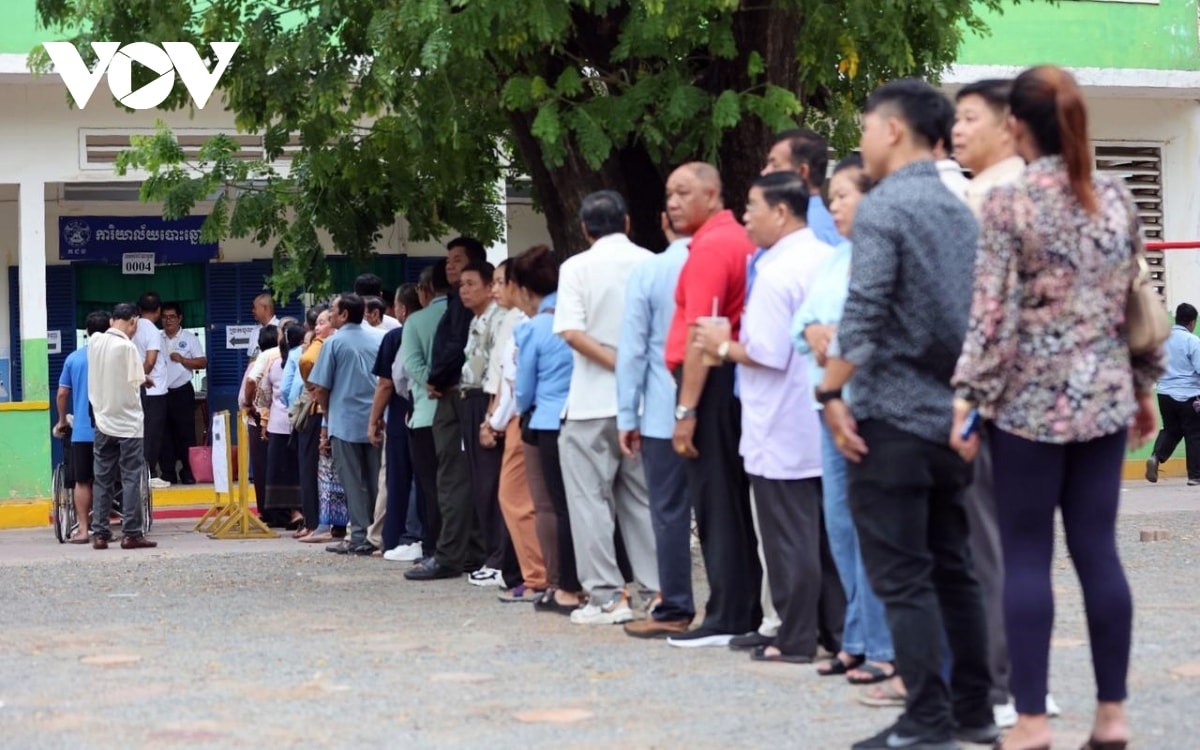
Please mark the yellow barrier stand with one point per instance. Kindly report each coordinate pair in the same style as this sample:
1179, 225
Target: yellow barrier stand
236, 521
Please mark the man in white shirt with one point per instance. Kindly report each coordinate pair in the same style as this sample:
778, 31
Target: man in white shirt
600, 481
116, 374
369, 285
149, 342
264, 314
184, 356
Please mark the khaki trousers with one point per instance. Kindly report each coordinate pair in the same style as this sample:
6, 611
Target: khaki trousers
516, 505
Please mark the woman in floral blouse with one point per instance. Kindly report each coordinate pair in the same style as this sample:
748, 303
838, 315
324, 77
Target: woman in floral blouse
1046, 362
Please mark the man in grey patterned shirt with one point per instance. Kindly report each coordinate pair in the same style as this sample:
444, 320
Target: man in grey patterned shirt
900, 337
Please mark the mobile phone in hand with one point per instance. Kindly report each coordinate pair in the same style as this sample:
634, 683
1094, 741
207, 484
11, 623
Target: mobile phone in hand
971, 425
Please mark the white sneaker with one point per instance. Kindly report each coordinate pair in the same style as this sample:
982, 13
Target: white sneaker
404, 553
486, 577
159, 484
700, 638
1052, 708
1005, 715
613, 612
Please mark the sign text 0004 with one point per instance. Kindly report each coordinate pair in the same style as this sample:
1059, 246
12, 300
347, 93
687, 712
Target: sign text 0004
137, 263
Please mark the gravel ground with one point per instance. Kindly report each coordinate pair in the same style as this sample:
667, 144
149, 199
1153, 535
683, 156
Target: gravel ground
210, 644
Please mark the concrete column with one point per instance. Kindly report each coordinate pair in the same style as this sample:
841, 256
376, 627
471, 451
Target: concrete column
35, 367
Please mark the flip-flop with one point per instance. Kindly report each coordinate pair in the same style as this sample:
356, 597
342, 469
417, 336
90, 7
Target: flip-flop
837, 667
760, 654
882, 695
85, 540
876, 672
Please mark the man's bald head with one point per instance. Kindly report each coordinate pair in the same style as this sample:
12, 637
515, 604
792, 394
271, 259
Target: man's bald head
693, 196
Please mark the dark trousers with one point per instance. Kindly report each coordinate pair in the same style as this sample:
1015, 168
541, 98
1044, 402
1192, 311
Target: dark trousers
425, 467
118, 465
988, 562
568, 575
399, 482
258, 467
720, 494
671, 514
906, 499
1180, 422
460, 545
308, 444
485, 477
789, 514
357, 466
154, 409
831, 601
180, 432
1084, 481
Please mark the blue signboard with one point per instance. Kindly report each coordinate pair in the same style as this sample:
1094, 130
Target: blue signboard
107, 238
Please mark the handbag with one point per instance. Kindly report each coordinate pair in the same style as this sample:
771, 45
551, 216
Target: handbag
1146, 323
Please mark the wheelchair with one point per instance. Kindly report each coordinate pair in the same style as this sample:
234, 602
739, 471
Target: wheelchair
63, 516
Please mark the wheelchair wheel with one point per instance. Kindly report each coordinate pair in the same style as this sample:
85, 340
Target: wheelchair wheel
147, 495
63, 507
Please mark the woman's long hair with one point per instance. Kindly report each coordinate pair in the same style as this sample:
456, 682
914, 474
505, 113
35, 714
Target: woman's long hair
1048, 100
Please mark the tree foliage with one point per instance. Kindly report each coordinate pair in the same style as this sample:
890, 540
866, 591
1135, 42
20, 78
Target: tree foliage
419, 107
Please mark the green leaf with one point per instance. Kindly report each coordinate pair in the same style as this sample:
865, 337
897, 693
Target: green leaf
726, 110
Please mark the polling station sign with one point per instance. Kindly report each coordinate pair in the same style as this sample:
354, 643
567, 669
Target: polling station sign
106, 239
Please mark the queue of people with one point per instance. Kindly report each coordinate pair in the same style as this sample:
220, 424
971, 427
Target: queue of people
848, 398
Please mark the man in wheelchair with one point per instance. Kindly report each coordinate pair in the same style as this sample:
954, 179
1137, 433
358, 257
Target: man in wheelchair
74, 427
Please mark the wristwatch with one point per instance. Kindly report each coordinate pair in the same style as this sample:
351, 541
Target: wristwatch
723, 351
682, 412
824, 397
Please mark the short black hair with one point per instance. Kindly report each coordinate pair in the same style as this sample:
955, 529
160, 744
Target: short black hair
97, 321
124, 311
433, 277
1185, 314
994, 91
368, 285
353, 305
476, 253
855, 161
172, 306
807, 148
922, 107
603, 213
484, 269
407, 296
149, 302
314, 312
268, 337
375, 304
786, 188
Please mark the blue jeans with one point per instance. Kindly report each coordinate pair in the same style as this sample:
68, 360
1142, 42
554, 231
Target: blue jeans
866, 631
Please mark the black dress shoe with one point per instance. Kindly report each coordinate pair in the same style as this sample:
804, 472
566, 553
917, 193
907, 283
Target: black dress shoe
188, 479
99, 542
431, 571
363, 550
340, 548
750, 641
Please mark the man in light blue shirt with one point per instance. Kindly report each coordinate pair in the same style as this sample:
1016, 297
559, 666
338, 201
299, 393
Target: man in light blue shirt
344, 386
1179, 398
646, 420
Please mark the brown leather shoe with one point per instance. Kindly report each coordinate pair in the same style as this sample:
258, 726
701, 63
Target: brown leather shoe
651, 628
137, 542
99, 542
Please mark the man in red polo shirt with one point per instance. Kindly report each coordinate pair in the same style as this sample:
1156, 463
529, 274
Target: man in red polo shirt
708, 417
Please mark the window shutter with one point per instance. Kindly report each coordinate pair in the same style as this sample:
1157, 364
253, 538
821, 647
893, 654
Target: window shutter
414, 266
225, 308
60, 316
1141, 169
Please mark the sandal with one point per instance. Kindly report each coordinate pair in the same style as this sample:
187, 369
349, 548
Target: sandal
1095, 744
836, 666
874, 670
760, 654
883, 695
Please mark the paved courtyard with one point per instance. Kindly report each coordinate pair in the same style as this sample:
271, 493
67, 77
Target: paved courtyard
248, 644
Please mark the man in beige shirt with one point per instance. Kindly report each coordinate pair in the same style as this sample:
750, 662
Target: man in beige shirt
982, 141
984, 144
115, 378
